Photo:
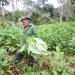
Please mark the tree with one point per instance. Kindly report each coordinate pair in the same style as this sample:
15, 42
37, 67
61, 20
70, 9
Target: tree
41, 2
67, 10
61, 2
72, 1
49, 8
18, 14
9, 16
3, 3
27, 4
37, 7
35, 15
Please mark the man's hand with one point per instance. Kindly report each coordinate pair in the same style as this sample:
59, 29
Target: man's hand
26, 43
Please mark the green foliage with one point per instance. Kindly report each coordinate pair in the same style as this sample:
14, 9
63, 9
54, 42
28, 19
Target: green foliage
3, 60
1, 16
63, 69
58, 54
35, 15
72, 18
9, 16
45, 19
10, 38
37, 7
42, 2
59, 35
49, 8
34, 47
38, 73
4, 24
18, 14
56, 65
13, 16
55, 35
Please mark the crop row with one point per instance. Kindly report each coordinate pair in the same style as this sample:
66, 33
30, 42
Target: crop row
62, 35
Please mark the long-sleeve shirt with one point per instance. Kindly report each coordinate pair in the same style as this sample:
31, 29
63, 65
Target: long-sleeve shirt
31, 30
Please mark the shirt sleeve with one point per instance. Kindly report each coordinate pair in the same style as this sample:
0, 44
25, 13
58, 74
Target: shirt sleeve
22, 43
35, 32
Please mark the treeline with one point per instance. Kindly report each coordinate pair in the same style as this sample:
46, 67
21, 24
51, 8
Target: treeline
42, 12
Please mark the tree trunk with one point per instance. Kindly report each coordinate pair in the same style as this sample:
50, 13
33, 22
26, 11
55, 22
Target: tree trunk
3, 10
16, 5
14, 19
67, 19
60, 18
13, 10
61, 14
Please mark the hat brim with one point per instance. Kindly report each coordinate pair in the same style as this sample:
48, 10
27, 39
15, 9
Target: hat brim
24, 19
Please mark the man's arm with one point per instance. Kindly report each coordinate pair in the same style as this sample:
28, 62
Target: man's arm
35, 32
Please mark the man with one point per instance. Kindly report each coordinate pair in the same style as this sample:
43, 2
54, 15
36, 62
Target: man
29, 30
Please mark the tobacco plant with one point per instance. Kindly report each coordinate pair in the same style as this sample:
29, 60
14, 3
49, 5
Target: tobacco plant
3, 61
61, 35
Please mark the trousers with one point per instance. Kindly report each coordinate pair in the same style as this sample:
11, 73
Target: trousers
19, 57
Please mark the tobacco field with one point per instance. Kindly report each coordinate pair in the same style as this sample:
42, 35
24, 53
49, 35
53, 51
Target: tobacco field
60, 40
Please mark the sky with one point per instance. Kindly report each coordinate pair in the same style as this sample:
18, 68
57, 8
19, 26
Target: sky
20, 5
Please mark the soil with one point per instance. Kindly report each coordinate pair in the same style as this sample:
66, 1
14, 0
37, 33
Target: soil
44, 66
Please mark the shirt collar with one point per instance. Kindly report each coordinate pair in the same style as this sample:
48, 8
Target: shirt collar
29, 25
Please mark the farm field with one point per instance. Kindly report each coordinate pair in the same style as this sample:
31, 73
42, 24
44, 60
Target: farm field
60, 40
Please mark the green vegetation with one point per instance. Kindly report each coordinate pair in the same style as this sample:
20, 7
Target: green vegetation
40, 12
35, 47
10, 38
60, 39
61, 35
3, 60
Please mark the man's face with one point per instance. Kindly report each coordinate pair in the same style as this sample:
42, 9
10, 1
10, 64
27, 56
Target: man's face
25, 23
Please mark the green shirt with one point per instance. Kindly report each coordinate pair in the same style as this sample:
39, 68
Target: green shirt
31, 30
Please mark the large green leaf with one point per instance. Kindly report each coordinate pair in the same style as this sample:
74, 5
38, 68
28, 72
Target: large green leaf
40, 47
1, 71
57, 49
33, 50
4, 63
22, 49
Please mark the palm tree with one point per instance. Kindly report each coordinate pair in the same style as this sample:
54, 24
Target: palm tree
3, 3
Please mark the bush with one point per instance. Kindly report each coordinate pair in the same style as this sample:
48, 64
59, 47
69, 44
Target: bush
18, 14
45, 19
35, 15
9, 16
72, 19
4, 24
3, 61
13, 16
